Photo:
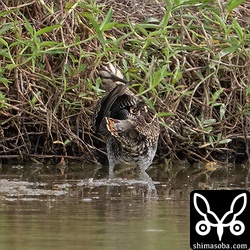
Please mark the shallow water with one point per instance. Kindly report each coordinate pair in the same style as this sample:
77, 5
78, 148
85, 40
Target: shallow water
91, 212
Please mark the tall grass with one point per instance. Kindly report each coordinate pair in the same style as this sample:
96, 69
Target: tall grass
187, 59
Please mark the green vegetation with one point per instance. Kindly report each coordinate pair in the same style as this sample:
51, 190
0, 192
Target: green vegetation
187, 59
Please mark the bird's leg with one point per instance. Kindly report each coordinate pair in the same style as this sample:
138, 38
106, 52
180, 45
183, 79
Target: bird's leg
152, 192
111, 168
110, 188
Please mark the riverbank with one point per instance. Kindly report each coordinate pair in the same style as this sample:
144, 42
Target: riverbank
188, 61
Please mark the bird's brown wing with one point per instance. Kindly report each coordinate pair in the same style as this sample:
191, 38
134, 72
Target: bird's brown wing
108, 101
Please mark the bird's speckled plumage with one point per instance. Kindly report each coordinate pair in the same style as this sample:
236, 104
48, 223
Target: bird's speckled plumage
130, 127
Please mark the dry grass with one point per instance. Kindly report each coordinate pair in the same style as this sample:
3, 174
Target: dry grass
190, 62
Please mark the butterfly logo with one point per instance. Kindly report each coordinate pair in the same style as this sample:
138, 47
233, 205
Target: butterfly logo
203, 227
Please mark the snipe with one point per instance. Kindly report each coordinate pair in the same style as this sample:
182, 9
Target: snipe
130, 127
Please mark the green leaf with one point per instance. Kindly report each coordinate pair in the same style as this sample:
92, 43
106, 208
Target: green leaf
108, 26
4, 53
216, 95
53, 51
7, 12
5, 28
31, 29
159, 75
67, 142
248, 89
209, 122
97, 29
34, 99
106, 19
226, 51
223, 110
191, 2
220, 21
47, 29
143, 30
49, 43
208, 129
11, 66
225, 141
233, 4
2, 100
4, 80
211, 140
4, 42
177, 76
163, 114
238, 29
82, 67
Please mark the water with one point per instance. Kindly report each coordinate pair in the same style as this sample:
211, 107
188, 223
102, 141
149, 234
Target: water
49, 212
111, 224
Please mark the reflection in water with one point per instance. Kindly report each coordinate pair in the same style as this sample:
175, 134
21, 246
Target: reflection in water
86, 218
96, 224
93, 212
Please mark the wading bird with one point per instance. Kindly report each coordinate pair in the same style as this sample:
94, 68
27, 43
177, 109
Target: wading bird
130, 127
